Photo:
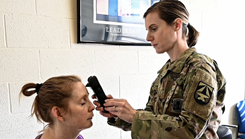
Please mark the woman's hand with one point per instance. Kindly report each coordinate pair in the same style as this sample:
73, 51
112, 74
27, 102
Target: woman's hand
101, 109
120, 108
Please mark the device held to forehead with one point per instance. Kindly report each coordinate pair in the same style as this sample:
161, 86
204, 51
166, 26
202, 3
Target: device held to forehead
97, 89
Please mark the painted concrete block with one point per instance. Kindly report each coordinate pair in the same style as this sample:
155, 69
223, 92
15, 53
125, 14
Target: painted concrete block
20, 7
62, 8
204, 4
114, 62
36, 32
65, 62
4, 100
151, 62
19, 126
136, 89
19, 65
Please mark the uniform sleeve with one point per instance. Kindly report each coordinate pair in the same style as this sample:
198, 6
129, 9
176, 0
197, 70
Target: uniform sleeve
200, 89
221, 85
217, 112
117, 122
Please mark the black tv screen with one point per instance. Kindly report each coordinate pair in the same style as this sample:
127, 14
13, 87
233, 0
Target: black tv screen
112, 21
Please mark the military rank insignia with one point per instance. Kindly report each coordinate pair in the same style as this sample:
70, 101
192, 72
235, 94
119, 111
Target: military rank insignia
203, 93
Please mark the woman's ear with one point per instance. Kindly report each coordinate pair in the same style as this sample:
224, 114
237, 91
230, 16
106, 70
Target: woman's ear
57, 113
177, 24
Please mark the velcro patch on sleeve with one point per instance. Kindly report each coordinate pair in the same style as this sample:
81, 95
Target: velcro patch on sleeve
200, 95
203, 93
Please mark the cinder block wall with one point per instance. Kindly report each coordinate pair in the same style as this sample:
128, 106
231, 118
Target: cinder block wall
38, 41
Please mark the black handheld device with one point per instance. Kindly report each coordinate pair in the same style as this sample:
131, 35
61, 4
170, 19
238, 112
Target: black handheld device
93, 82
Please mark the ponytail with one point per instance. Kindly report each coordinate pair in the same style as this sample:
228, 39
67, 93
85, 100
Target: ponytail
192, 36
29, 89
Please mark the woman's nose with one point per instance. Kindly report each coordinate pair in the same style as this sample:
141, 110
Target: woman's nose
149, 38
92, 107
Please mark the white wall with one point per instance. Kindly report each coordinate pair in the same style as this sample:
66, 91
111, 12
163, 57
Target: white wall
38, 41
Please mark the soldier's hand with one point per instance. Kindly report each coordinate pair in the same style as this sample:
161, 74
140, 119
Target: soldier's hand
120, 108
100, 109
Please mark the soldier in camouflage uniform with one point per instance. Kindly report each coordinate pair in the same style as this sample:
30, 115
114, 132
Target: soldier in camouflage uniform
188, 87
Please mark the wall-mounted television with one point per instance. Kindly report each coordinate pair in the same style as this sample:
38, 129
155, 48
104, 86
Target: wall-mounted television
112, 21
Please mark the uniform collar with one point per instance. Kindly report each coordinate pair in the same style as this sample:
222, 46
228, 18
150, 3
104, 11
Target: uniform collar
178, 64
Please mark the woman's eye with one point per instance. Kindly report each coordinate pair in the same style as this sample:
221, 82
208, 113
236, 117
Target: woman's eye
153, 29
83, 103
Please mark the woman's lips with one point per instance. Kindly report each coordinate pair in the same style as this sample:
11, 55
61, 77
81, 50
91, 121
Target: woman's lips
154, 45
91, 117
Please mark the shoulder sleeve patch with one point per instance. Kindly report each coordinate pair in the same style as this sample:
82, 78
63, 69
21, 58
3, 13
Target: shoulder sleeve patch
203, 93
200, 93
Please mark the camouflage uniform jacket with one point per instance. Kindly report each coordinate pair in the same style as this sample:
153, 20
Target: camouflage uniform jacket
181, 101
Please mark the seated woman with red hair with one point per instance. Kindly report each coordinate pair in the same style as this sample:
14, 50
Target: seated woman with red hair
62, 102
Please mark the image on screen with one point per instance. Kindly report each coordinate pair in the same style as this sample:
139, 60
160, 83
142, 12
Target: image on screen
120, 12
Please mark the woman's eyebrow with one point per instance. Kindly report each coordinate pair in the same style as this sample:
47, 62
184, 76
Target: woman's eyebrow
83, 97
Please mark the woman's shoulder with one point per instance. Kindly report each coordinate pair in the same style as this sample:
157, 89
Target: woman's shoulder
80, 137
200, 56
198, 60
